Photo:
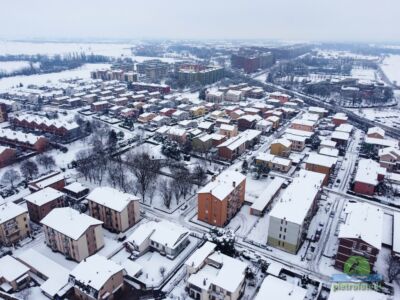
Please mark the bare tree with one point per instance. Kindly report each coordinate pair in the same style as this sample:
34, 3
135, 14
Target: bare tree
166, 192
46, 160
29, 169
393, 268
183, 182
144, 169
199, 175
10, 177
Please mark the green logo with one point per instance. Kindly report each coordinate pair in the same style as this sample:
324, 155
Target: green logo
357, 265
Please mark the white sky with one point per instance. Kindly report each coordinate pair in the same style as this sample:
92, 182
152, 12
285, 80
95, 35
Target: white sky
340, 20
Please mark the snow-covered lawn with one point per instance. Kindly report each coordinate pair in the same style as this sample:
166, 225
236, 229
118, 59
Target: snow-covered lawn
391, 67
243, 221
12, 66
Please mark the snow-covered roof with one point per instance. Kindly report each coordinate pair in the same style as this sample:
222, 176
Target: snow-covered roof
317, 109
298, 197
340, 116
223, 184
47, 180
131, 268
44, 196
328, 143
95, 271
10, 210
294, 138
329, 152
340, 135
56, 275
11, 269
303, 122
200, 255
267, 195
359, 295
69, 222
381, 142
267, 157
284, 142
75, 187
377, 130
363, 221
396, 232
111, 198
228, 277
306, 134
19, 136
69, 125
276, 288
391, 151
227, 127
321, 160
368, 171
168, 234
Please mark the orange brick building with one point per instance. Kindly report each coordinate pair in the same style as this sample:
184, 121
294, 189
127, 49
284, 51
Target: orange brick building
221, 199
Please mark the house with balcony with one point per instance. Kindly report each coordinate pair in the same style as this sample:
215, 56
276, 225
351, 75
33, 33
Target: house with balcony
14, 223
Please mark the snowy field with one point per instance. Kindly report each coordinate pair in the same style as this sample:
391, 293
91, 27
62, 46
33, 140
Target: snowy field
388, 116
40, 79
12, 66
391, 67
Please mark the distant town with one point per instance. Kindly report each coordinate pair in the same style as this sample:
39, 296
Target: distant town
199, 170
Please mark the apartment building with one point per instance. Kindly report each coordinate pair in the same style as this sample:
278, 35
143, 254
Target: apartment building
298, 142
369, 174
221, 199
360, 234
228, 130
213, 275
290, 218
97, 278
389, 158
301, 124
281, 147
322, 164
117, 210
74, 234
273, 162
14, 223
42, 202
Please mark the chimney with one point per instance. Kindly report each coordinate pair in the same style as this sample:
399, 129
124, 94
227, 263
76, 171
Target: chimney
234, 183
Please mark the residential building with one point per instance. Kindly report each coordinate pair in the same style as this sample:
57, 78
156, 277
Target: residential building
248, 122
75, 192
276, 288
26, 141
265, 199
117, 210
97, 278
14, 275
228, 130
369, 174
302, 124
14, 223
290, 218
56, 180
221, 199
273, 162
40, 203
215, 96
339, 119
164, 237
233, 96
146, 117
281, 147
298, 141
376, 132
192, 73
7, 156
72, 233
283, 98
322, 164
360, 234
213, 275
389, 158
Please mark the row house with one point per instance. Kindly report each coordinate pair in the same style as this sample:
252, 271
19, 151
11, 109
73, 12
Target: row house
55, 180
74, 234
24, 140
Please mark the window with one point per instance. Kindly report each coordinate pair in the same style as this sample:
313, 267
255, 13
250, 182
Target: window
280, 235
284, 230
280, 229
